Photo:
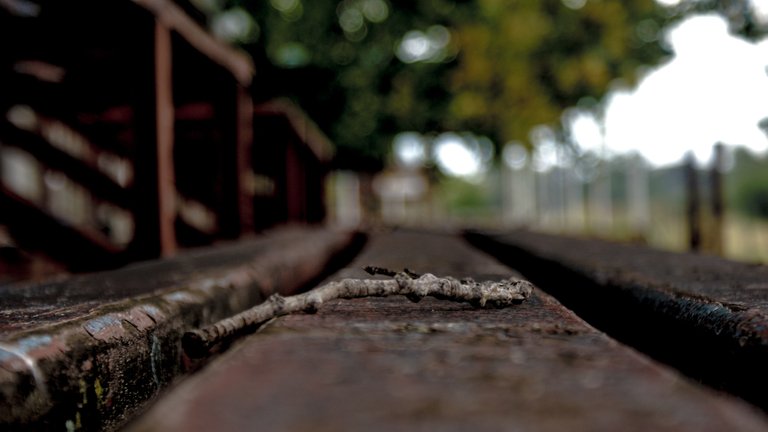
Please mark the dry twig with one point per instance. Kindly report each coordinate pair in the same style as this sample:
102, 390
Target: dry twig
487, 294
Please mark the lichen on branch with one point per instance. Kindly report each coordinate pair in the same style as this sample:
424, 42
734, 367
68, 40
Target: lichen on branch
486, 294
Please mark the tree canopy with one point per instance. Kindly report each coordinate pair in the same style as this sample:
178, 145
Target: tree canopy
368, 69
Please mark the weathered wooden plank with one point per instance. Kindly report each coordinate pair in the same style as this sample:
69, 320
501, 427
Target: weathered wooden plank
91, 350
388, 364
705, 315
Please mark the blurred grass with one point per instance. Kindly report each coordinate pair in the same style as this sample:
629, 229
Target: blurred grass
744, 238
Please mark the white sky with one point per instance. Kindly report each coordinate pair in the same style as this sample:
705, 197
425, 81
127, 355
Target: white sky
715, 89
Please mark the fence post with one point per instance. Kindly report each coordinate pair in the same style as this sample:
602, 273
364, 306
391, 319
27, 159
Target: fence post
600, 213
692, 212
638, 197
717, 198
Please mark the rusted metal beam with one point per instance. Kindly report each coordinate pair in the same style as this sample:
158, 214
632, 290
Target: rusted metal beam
173, 18
294, 154
301, 125
244, 157
108, 136
153, 190
235, 201
166, 189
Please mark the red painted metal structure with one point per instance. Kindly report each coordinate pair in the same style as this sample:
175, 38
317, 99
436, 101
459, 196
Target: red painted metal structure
288, 187
149, 121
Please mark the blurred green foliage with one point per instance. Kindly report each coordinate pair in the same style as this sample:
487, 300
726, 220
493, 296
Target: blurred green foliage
461, 198
525, 61
504, 67
747, 184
